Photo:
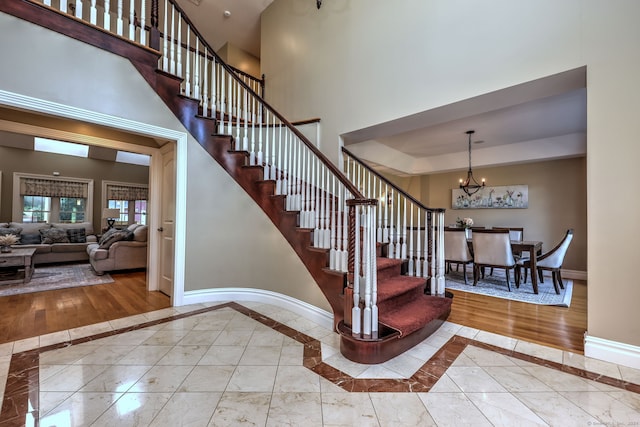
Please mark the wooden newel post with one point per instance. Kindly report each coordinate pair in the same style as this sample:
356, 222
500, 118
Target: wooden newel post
351, 246
154, 33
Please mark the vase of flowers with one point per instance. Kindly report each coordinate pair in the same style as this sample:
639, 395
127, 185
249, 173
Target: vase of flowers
6, 241
465, 223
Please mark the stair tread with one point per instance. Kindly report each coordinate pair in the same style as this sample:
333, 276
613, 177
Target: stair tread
398, 285
414, 315
383, 262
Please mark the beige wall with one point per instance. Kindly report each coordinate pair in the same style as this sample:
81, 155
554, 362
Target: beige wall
28, 161
240, 59
230, 241
347, 68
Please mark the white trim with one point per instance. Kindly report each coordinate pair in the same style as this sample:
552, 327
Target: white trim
574, 274
301, 308
612, 351
59, 110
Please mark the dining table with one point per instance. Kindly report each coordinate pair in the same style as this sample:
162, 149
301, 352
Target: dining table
533, 247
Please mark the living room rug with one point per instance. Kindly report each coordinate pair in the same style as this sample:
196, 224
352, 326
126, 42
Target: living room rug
496, 286
48, 278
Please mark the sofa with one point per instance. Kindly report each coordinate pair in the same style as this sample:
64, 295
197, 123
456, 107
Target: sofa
54, 242
119, 249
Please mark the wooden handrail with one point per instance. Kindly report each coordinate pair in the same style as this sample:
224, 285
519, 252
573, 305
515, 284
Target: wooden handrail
391, 184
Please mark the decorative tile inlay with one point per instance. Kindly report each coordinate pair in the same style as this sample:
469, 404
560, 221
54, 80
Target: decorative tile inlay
21, 404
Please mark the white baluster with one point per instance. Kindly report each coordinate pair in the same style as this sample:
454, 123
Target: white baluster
187, 73
196, 70
440, 280
281, 169
106, 24
274, 166
143, 21
79, 9
205, 84
411, 261
366, 318
48, 2
403, 248
214, 86
230, 104
265, 154
132, 27
425, 266
345, 231
63, 6
93, 13
392, 245
238, 114
327, 213
172, 64
418, 239
223, 100
398, 226
165, 41
385, 230
179, 48
332, 226
245, 137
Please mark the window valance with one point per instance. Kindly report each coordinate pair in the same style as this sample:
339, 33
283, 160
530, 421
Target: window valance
126, 192
53, 188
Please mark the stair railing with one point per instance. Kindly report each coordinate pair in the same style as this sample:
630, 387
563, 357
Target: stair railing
341, 217
411, 231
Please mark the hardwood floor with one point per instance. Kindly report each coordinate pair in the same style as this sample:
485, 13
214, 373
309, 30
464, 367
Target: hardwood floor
558, 327
30, 315
40, 313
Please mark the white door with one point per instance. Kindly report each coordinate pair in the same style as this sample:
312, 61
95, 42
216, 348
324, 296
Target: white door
168, 215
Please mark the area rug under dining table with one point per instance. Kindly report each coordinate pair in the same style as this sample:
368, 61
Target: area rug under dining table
47, 278
496, 286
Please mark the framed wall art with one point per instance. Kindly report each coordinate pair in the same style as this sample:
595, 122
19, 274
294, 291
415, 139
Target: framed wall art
501, 197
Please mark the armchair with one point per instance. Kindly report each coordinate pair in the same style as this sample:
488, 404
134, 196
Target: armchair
550, 261
492, 248
122, 250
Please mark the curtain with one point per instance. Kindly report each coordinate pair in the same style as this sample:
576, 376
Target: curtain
53, 188
125, 192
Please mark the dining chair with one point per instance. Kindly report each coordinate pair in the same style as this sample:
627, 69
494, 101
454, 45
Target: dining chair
550, 261
456, 250
515, 233
492, 248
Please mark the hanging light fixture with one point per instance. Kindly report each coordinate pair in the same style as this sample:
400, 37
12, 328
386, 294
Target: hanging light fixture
470, 185
318, 3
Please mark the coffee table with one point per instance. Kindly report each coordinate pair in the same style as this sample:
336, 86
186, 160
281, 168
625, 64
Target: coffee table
20, 259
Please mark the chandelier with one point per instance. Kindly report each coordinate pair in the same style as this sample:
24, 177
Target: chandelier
470, 185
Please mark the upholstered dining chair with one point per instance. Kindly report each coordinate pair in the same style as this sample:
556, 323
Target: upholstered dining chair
456, 249
550, 261
492, 248
515, 233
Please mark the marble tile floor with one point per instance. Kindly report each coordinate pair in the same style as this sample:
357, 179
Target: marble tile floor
259, 365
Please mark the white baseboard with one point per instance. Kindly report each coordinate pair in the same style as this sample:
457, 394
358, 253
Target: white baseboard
612, 351
301, 308
574, 274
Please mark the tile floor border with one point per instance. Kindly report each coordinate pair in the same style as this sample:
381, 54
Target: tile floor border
21, 396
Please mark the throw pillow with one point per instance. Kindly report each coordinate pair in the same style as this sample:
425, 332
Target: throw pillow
11, 230
77, 235
54, 235
30, 239
118, 236
107, 234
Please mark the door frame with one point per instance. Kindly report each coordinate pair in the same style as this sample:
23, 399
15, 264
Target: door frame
177, 138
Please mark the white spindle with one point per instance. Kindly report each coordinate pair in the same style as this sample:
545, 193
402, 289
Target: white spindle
143, 20
79, 9
106, 20
47, 2
411, 261
345, 231
356, 325
205, 83
392, 245
245, 137
93, 13
327, 212
214, 97
196, 70
265, 156
385, 230
425, 266
172, 65
132, 27
187, 72
223, 100
398, 249
418, 239
281, 168
165, 41
366, 317
403, 248
230, 104
373, 271
332, 225
274, 166
238, 112
63, 6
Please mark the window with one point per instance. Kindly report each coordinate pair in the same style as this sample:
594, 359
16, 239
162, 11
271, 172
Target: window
40, 198
131, 199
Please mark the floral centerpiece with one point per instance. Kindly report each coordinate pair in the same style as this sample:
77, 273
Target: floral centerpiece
464, 222
6, 241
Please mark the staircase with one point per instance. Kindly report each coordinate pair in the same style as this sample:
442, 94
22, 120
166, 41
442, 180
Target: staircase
354, 232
